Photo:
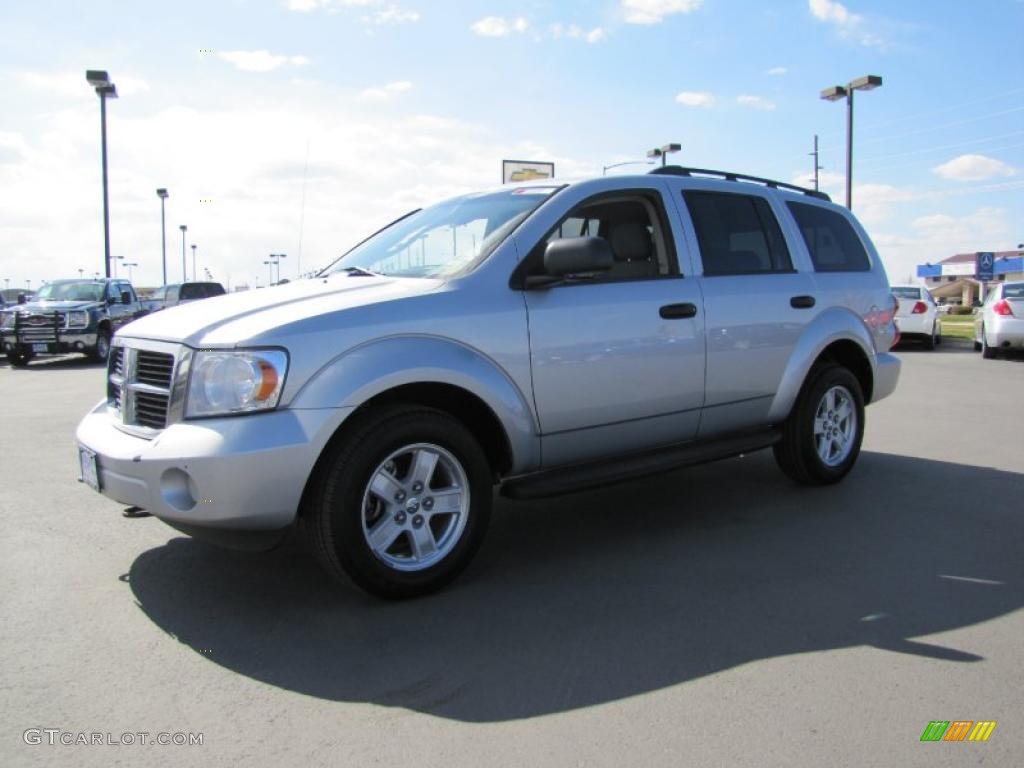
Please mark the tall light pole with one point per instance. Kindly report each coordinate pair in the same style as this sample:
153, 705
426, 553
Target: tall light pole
105, 89
184, 268
837, 92
129, 265
270, 271
663, 152
194, 274
606, 168
162, 194
114, 260
279, 257
817, 167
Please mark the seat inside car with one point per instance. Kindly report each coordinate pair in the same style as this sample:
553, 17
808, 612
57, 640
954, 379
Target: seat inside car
633, 249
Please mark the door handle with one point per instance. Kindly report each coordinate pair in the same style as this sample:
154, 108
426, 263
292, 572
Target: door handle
801, 302
677, 311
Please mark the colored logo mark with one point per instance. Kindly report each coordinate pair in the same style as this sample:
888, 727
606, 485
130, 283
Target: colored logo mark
958, 730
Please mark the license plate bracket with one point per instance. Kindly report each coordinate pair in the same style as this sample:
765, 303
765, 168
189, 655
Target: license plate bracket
40, 347
90, 468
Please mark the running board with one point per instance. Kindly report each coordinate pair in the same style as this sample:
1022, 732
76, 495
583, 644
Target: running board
576, 477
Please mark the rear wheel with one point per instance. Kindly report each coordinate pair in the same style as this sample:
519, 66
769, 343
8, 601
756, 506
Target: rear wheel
987, 352
822, 437
931, 339
402, 504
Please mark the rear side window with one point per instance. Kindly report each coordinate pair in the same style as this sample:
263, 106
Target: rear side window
738, 234
831, 240
1013, 291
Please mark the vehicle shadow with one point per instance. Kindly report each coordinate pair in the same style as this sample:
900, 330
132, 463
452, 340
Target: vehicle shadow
607, 594
62, 362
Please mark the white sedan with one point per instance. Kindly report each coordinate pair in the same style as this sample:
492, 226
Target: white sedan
1000, 322
917, 315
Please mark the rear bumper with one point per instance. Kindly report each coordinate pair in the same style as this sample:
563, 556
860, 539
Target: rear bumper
1005, 332
887, 374
915, 325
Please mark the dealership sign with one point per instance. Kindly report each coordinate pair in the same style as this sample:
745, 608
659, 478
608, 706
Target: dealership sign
525, 170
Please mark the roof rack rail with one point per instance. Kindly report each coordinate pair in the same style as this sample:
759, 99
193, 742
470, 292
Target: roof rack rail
678, 170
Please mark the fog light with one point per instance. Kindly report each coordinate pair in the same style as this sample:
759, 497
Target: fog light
178, 489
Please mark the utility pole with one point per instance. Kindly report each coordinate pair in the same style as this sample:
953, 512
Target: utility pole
817, 167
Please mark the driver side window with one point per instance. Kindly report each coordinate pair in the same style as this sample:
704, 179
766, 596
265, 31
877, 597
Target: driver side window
632, 225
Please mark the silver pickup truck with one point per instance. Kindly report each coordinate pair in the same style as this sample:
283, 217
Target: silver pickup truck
538, 338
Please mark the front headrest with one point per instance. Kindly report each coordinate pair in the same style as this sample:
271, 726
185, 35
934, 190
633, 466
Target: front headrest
631, 241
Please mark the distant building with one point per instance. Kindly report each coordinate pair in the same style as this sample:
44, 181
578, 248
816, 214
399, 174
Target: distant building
953, 279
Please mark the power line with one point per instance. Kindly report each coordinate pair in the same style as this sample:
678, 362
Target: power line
925, 150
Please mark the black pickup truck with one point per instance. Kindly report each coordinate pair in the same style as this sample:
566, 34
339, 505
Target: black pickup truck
68, 316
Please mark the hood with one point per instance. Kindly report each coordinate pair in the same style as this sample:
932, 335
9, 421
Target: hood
238, 317
54, 306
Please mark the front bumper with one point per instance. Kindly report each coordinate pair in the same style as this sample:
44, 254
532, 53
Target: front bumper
67, 340
887, 374
244, 473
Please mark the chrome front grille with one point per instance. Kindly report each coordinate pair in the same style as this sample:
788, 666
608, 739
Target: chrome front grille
139, 385
38, 328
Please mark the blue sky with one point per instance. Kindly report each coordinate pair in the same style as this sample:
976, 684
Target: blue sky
366, 108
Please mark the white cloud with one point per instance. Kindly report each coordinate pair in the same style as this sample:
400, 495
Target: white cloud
260, 61
973, 168
848, 24
576, 32
655, 11
498, 26
755, 102
392, 14
695, 99
386, 92
776, 71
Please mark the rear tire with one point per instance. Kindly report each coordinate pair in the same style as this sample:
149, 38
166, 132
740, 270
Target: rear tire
987, 352
821, 438
369, 513
929, 341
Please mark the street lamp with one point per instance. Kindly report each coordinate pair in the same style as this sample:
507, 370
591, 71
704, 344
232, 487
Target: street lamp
837, 92
129, 265
114, 260
184, 269
270, 271
279, 257
194, 274
162, 194
81, 273
605, 169
105, 89
663, 152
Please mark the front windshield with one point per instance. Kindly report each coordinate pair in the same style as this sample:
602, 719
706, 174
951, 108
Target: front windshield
446, 238
71, 291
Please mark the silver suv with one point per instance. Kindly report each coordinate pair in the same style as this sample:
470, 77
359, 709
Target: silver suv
541, 338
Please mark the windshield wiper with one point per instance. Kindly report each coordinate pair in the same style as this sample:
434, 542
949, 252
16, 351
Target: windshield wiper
359, 272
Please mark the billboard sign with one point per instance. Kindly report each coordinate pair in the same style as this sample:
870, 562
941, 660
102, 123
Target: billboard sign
985, 265
525, 170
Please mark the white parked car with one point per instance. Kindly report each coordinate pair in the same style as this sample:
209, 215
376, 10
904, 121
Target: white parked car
999, 324
917, 315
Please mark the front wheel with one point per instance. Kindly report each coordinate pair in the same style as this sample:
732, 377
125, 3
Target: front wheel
822, 437
401, 505
19, 357
101, 351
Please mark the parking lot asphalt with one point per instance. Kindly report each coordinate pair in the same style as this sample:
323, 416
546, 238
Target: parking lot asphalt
713, 616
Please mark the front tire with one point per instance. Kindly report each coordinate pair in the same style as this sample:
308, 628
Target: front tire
821, 438
401, 504
101, 351
18, 358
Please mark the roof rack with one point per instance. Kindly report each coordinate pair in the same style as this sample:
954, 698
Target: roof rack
678, 170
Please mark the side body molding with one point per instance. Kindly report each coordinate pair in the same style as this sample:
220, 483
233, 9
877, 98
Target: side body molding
367, 370
831, 325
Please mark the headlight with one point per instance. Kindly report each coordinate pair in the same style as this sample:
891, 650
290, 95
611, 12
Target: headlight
78, 319
235, 381
7, 320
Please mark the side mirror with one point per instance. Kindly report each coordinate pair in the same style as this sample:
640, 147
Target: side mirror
22, 299
573, 256
126, 297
